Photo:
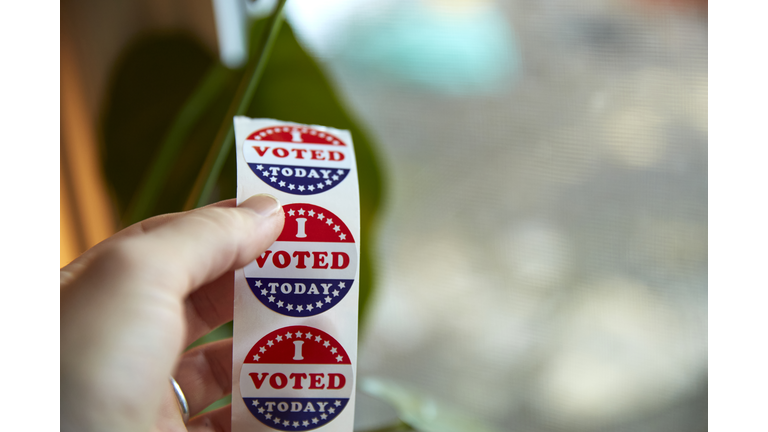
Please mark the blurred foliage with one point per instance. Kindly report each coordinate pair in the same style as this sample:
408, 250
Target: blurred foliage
161, 78
422, 412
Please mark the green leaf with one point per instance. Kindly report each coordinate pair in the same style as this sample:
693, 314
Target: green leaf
152, 80
172, 144
294, 88
158, 73
424, 413
225, 137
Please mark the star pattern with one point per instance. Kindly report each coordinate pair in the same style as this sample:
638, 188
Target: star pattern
287, 337
319, 294
318, 412
325, 411
275, 177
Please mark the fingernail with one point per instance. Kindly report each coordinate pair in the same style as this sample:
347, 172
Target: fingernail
263, 204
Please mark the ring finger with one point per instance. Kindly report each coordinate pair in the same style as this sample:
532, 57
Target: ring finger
204, 374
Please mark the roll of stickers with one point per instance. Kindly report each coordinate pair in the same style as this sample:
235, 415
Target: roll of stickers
295, 312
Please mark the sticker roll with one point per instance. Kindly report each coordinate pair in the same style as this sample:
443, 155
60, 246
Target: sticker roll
294, 360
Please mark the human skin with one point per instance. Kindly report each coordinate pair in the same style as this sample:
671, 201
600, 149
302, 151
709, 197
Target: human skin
131, 305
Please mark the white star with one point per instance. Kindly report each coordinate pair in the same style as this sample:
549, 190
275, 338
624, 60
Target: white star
301, 212
309, 307
300, 308
258, 282
320, 186
262, 350
311, 188
342, 236
339, 358
319, 304
326, 344
256, 357
265, 173
295, 424
308, 335
311, 213
286, 422
291, 187
342, 285
270, 343
259, 167
323, 416
333, 350
298, 334
339, 172
315, 420
336, 228
320, 216
268, 416
318, 339
301, 188
329, 222
279, 303
328, 182
261, 410
331, 410
327, 299
289, 307
337, 403
279, 338
255, 402
277, 420
264, 291
288, 335
282, 183
273, 179
305, 423
291, 213
335, 177
335, 293
271, 299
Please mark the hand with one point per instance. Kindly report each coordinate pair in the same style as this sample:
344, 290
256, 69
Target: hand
131, 304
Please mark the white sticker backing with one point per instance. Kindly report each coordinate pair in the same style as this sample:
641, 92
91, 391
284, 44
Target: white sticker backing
296, 305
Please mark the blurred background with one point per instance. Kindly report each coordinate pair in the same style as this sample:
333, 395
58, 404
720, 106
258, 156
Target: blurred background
541, 249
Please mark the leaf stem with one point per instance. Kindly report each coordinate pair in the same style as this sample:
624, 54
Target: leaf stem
146, 196
224, 141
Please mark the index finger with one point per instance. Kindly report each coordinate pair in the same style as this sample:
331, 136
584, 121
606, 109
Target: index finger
199, 246
70, 271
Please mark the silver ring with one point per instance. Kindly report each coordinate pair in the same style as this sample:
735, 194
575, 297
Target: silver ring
183, 405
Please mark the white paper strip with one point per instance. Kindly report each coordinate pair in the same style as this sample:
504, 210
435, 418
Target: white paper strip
295, 326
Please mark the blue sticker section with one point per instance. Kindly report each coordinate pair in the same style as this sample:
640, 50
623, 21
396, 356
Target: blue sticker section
299, 297
299, 180
295, 413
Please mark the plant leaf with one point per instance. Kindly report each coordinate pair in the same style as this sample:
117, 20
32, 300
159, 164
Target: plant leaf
294, 88
159, 72
422, 412
152, 80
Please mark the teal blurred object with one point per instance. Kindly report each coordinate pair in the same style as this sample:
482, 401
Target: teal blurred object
448, 51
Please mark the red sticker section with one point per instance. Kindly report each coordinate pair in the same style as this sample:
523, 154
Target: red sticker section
310, 268
296, 378
298, 160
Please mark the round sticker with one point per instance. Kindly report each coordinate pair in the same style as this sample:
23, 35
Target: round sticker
310, 267
296, 378
297, 160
